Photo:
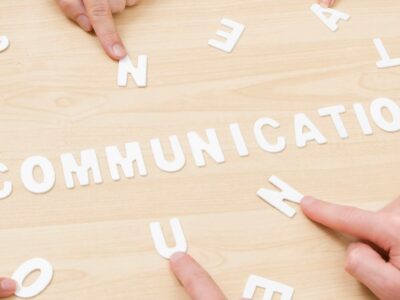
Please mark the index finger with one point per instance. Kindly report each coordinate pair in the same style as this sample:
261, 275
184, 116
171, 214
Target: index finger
99, 13
7, 287
195, 280
359, 223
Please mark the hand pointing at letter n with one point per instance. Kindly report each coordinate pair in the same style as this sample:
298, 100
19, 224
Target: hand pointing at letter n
375, 259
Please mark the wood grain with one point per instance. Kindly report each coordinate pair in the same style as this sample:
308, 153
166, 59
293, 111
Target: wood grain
58, 94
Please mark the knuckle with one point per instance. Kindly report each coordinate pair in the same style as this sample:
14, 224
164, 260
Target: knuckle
190, 283
352, 258
99, 10
118, 7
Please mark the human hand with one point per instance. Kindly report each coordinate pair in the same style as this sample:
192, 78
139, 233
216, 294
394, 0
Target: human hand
375, 260
97, 15
7, 287
328, 3
194, 279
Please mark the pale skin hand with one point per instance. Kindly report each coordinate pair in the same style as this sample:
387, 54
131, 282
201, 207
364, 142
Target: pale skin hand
97, 15
194, 279
374, 260
327, 3
7, 287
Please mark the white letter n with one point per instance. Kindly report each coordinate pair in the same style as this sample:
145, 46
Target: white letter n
139, 74
275, 198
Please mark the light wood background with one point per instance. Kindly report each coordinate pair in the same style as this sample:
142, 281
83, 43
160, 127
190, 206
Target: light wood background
58, 94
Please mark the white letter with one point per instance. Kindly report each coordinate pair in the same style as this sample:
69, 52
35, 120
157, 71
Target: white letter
133, 154
238, 139
362, 119
386, 61
88, 161
4, 43
270, 287
198, 146
28, 179
332, 21
161, 244
301, 121
19, 276
168, 166
7, 186
276, 198
334, 112
139, 74
376, 111
231, 38
262, 141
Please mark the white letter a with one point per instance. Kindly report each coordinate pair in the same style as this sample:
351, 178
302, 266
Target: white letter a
332, 21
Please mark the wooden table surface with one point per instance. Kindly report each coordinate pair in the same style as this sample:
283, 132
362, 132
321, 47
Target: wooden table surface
58, 94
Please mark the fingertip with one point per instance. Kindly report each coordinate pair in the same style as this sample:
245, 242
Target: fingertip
176, 257
117, 51
327, 3
7, 287
307, 203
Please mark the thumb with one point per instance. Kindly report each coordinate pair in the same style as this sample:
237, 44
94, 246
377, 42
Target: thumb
366, 265
7, 287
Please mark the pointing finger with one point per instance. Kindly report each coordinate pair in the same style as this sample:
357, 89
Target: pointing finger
7, 287
196, 281
100, 15
359, 223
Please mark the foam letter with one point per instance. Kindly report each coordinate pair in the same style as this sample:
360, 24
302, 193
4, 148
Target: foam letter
376, 111
332, 21
7, 185
275, 198
238, 139
198, 145
168, 166
133, 154
159, 240
334, 112
4, 43
279, 146
139, 74
28, 179
19, 276
231, 38
270, 287
301, 121
88, 162
386, 61
362, 119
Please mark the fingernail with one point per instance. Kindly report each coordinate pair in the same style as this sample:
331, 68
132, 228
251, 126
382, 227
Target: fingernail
177, 256
8, 285
119, 50
308, 200
84, 22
